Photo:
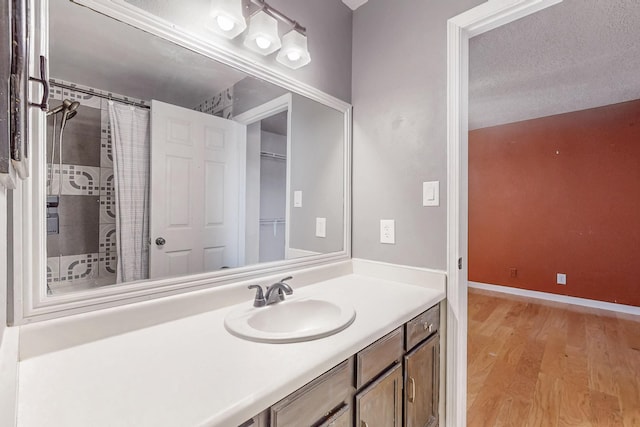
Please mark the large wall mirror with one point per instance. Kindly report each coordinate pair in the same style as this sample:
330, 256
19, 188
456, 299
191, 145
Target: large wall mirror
160, 165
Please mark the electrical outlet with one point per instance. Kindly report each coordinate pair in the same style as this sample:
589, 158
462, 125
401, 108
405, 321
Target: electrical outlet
561, 279
388, 231
513, 271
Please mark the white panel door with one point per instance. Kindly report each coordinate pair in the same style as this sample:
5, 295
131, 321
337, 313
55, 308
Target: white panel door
195, 186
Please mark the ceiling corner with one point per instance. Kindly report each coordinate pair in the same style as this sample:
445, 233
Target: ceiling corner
354, 4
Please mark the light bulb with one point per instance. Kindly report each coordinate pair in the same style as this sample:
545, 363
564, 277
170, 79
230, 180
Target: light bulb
224, 23
293, 55
263, 42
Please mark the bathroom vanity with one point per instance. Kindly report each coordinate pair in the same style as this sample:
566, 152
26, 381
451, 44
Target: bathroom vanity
393, 382
190, 371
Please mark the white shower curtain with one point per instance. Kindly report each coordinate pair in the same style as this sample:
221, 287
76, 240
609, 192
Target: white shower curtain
130, 144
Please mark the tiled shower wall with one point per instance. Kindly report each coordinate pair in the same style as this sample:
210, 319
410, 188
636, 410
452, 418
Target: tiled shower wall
220, 105
83, 254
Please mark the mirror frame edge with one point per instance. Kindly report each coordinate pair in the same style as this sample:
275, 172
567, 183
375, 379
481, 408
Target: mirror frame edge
28, 299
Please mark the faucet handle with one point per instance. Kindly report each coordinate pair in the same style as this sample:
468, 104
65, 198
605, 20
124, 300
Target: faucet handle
286, 278
259, 300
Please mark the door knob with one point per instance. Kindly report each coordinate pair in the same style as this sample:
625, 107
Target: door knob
160, 241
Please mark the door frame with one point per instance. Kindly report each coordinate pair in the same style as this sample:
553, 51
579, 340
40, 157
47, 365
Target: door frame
256, 114
483, 18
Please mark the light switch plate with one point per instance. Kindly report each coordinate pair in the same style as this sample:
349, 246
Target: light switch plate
297, 199
431, 193
388, 231
321, 227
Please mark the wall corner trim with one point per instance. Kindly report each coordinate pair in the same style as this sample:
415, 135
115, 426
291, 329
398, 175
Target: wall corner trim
565, 299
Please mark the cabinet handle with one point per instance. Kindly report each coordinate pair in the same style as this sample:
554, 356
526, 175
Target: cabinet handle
427, 326
334, 414
412, 392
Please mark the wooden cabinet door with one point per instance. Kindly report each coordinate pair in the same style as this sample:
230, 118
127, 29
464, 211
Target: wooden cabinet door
380, 404
422, 385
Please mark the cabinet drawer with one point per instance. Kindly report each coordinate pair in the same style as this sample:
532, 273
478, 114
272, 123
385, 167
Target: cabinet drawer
316, 400
422, 326
378, 356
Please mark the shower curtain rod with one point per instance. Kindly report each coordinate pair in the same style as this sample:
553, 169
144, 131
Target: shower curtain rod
99, 95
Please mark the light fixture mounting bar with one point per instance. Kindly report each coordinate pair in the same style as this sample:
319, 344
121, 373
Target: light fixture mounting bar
279, 15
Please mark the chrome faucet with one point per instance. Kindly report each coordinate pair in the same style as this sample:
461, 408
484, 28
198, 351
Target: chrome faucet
275, 293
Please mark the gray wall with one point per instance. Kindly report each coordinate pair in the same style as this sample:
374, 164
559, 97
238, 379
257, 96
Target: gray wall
399, 130
328, 24
317, 160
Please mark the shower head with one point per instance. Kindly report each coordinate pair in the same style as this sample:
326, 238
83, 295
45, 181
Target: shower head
70, 108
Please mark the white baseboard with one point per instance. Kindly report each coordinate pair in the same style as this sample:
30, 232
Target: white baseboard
620, 308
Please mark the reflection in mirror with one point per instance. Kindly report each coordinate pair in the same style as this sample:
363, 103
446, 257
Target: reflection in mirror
163, 162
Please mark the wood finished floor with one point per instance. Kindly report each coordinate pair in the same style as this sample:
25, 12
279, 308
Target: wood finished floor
536, 363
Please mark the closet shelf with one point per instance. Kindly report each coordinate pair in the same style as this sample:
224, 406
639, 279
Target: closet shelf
272, 221
270, 155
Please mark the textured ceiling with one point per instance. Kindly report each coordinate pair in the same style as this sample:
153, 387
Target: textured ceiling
576, 55
97, 51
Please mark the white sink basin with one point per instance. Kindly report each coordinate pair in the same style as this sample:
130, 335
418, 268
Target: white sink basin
293, 320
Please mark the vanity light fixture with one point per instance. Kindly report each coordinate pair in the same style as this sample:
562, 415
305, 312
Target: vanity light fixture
262, 36
228, 20
294, 53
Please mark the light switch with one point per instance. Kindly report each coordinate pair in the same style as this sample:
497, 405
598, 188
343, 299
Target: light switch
321, 227
431, 193
297, 199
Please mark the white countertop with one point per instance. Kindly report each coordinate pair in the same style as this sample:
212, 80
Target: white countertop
192, 372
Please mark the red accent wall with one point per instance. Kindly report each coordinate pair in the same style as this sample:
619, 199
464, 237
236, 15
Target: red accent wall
559, 194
